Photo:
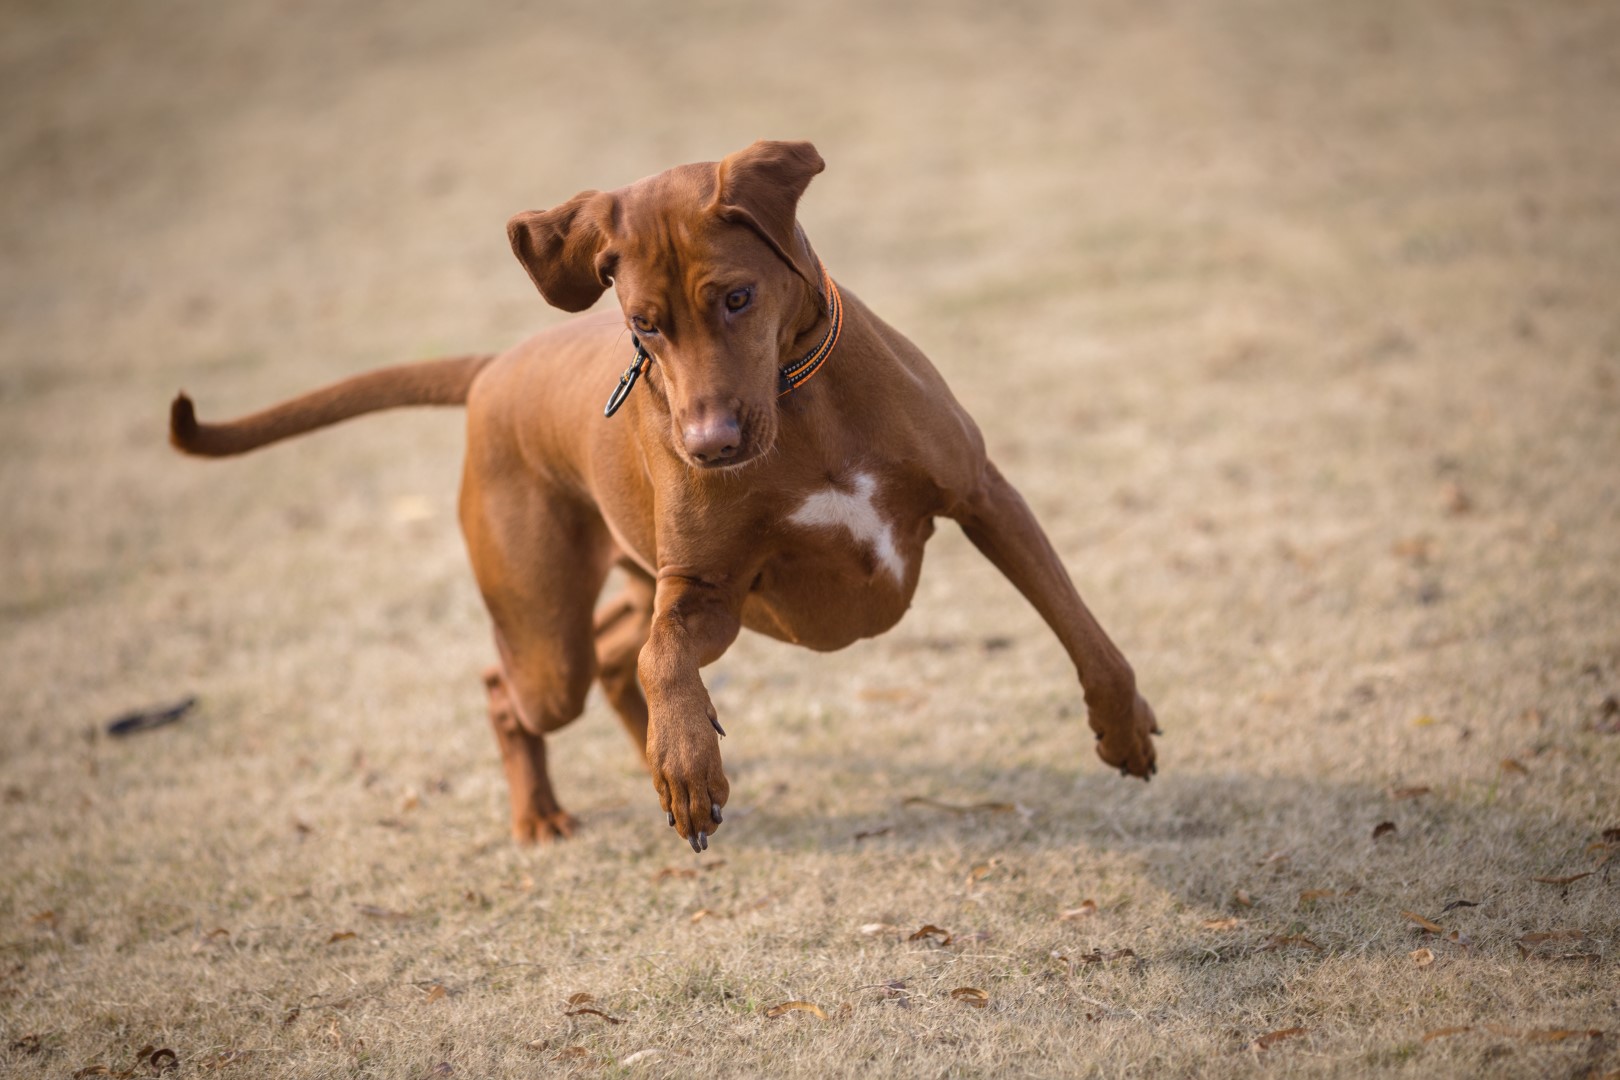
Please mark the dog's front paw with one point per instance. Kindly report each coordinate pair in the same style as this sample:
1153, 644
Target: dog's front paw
1126, 743
683, 755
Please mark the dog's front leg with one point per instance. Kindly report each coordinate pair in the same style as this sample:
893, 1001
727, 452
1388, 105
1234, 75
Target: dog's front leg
694, 621
1000, 524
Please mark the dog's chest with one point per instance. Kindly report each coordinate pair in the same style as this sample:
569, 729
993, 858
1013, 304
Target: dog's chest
844, 563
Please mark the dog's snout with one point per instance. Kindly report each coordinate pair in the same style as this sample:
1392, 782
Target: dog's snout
713, 439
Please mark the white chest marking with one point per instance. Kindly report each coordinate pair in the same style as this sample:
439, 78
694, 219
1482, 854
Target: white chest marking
833, 508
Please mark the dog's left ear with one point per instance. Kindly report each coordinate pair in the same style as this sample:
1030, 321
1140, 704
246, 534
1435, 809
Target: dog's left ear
760, 187
565, 249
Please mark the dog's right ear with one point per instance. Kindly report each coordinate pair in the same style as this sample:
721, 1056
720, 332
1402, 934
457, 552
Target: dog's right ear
565, 249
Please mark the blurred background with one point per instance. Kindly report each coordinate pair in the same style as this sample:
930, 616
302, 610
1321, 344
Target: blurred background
1297, 323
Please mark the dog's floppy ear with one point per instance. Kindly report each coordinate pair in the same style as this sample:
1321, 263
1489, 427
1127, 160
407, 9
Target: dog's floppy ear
760, 187
565, 249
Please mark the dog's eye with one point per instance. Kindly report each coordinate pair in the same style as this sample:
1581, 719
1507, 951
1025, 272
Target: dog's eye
738, 299
643, 325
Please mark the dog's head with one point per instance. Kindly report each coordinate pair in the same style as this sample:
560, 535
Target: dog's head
714, 277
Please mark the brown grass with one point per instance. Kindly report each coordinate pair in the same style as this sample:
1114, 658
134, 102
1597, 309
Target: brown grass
1297, 324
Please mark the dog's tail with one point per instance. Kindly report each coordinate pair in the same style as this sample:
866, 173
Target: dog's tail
430, 382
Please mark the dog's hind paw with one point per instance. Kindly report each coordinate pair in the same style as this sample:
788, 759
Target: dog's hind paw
536, 828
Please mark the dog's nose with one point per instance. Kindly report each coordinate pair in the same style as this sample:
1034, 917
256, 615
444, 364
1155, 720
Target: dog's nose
713, 439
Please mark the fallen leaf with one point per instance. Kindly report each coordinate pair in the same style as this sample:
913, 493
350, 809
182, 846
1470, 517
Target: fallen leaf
1404, 793
867, 834
700, 914
1383, 828
586, 1010
971, 995
981, 871
1511, 765
1097, 956
1457, 904
1562, 880
1544, 1034
1431, 927
436, 992
1422, 957
795, 1006
1242, 898
1086, 909
1417, 549
1275, 858
580, 998
1271, 1039
940, 934
223, 1059
1552, 935
1441, 1033
341, 935
1230, 923
147, 719
889, 695
1312, 895
955, 808
649, 1054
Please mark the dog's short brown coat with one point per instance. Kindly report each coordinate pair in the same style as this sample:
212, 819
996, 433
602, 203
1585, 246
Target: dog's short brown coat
802, 516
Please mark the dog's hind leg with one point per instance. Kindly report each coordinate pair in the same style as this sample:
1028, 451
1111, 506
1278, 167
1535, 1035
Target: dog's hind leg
622, 625
540, 561
536, 817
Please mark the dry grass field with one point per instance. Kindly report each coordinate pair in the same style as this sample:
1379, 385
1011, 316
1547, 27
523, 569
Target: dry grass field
1297, 323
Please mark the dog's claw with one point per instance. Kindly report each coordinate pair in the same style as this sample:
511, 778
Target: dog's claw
715, 813
703, 840
672, 819
716, 722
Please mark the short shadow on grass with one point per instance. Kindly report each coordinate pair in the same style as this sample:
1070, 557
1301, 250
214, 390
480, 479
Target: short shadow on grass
1206, 840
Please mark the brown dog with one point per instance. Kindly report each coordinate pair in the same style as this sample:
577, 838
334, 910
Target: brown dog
779, 468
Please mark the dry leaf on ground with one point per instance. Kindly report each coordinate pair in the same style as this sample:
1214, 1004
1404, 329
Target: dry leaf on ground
587, 1010
1563, 880
1383, 829
1086, 909
971, 995
959, 808
1272, 1038
1430, 926
930, 932
1283, 941
1422, 957
795, 1006
1403, 793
